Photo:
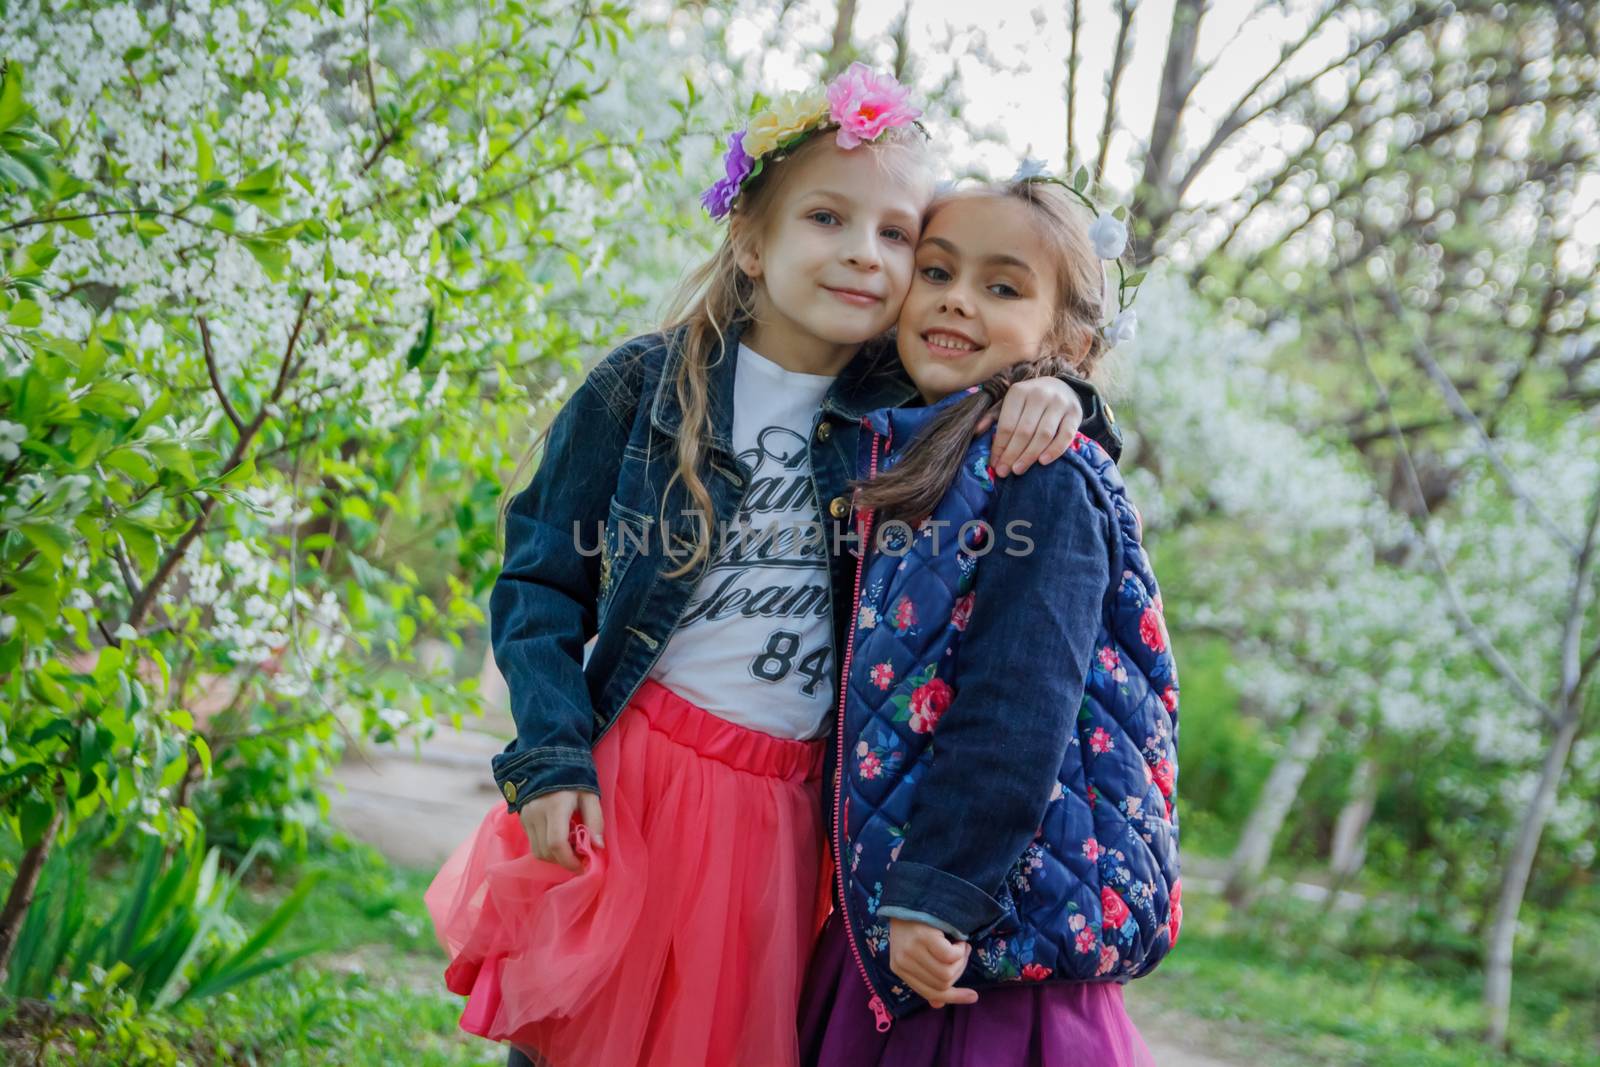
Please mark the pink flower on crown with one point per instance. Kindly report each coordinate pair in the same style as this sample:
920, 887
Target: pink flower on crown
865, 103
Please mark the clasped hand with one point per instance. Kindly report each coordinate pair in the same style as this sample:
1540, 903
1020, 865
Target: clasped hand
929, 962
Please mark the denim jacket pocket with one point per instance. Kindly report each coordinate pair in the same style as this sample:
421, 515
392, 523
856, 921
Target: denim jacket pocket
627, 534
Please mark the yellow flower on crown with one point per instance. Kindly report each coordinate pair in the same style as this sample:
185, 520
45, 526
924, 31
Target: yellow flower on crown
789, 116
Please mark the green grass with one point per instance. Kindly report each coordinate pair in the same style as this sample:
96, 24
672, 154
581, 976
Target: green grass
373, 993
1267, 980
1280, 986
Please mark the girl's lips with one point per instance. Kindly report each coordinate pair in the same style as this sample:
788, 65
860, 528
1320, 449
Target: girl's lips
855, 296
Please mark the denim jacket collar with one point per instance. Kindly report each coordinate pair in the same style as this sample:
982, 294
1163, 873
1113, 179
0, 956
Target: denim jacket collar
666, 414
873, 379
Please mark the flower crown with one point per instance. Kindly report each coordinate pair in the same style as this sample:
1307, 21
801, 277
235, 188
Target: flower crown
1109, 235
862, 103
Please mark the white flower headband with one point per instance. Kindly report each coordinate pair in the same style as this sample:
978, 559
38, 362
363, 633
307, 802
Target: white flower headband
1109, 235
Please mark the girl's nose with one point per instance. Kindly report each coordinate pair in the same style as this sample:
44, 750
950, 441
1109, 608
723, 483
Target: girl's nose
862, 254
955, 302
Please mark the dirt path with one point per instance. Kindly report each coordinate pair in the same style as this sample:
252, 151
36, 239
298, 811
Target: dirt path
417, 807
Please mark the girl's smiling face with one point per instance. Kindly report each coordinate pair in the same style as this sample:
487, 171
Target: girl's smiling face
982, 298
833, 258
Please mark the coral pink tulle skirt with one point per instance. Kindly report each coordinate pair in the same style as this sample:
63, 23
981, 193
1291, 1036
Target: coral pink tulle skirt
683, 941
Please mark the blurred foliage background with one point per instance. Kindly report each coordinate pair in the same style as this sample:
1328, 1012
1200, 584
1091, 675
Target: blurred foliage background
287, 288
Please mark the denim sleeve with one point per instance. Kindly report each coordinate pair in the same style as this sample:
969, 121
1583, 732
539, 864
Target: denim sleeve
542, 609
998, 748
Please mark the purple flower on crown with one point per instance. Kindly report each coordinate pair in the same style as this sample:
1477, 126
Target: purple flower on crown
860, 102
718, 199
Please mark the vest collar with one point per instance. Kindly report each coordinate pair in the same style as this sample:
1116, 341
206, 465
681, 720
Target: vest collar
903, 424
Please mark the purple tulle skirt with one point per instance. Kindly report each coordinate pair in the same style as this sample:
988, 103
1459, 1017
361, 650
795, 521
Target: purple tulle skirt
1047, 1025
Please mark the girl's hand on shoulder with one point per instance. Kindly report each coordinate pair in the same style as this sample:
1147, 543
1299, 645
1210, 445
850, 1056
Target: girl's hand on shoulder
1038, 420
548, 823
929, 962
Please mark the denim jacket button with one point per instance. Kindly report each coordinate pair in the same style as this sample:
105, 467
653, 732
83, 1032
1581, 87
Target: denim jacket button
839, 507
510, 791
825, 431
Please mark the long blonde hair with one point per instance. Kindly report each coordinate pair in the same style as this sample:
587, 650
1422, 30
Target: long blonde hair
1073, 345
718, 294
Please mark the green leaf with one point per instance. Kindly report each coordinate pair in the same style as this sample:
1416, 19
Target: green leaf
204, 164
242, 472
202, 750
272, 256
51, 540
94, 358
25, 313
419, 350
1080, 180
130, 462
174, 771
12, 106
263, 181
42, 253
158, 409
36, 817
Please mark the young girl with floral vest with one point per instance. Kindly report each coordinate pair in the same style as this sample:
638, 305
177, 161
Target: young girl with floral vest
1002, 795
648, 895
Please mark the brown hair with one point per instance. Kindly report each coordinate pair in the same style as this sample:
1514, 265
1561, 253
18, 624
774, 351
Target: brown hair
1073, 345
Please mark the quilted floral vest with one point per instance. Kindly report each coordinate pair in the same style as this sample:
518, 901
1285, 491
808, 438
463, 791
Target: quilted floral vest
1096, 896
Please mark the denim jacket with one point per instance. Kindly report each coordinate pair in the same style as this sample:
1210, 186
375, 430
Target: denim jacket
587, 542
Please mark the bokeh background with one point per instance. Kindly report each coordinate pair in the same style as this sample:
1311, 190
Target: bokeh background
287, 288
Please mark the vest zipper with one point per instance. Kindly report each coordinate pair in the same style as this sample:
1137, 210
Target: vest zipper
864, 524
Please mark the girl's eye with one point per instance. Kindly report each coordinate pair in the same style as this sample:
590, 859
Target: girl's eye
936, 274
1009, 292
895, 233
827, 218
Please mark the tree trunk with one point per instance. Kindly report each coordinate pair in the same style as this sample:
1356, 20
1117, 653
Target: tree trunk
20, 898
1350, 829
1272, 807
1514, 881
1177, 74
839, 51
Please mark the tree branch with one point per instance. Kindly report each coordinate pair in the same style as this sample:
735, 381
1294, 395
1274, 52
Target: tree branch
147, 596
549, 92
840, 49
1572, 677
216, 377
1176, 74
1464, 621
1237, 119
1119, 60
1452, 398
1074, 30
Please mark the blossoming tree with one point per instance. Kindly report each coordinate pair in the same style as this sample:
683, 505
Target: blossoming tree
283, 283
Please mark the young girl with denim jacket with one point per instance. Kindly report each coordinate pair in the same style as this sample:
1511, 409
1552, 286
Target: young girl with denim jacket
1006, 762
649, 893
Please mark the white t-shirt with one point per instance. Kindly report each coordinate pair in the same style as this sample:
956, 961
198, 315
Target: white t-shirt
755, 645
